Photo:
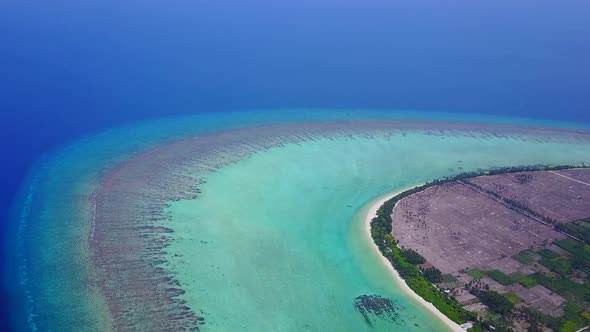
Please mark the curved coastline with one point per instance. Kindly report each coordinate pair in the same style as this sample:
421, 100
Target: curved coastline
373, 207
130, 218
150, 256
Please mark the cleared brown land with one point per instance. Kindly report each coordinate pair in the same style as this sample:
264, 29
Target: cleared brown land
458, 226
555, 194
455, 227
540, 298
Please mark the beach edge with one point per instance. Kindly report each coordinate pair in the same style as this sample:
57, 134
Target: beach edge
373, 206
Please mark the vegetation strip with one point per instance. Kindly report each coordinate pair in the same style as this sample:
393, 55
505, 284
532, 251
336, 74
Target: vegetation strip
407, 261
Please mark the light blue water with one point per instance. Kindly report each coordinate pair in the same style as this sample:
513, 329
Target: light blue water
52, 254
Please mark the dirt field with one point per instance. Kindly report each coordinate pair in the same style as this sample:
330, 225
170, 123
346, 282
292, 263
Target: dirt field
457, 226
560, 195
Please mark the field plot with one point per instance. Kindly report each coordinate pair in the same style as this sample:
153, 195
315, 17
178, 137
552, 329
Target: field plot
562, 196
455, 228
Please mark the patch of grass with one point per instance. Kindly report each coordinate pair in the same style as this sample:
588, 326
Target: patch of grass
512, 297
500, 277
549, 254
523, 257
476, 274
561, 265
524, 280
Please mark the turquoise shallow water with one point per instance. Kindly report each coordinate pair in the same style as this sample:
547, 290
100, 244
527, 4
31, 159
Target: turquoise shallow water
273, 242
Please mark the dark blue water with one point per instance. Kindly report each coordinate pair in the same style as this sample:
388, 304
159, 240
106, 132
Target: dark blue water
72, 67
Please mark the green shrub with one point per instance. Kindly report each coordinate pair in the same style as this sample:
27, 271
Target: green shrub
495, 301
512, 297
524, 256
433, 275
550, 254
412, 256
524, 280
447, 278
476, 274
581, 231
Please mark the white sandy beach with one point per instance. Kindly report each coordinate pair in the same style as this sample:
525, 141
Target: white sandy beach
404, 287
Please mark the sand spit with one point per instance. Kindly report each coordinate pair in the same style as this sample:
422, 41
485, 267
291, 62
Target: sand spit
130, 234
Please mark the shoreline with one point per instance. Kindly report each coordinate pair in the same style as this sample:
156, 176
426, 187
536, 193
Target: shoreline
404, 287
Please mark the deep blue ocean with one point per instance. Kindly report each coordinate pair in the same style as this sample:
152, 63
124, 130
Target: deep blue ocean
69, 68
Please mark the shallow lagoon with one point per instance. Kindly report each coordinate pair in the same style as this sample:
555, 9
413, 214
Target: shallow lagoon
281, 230
276, 241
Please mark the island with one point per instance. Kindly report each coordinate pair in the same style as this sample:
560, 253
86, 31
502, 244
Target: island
505, 249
